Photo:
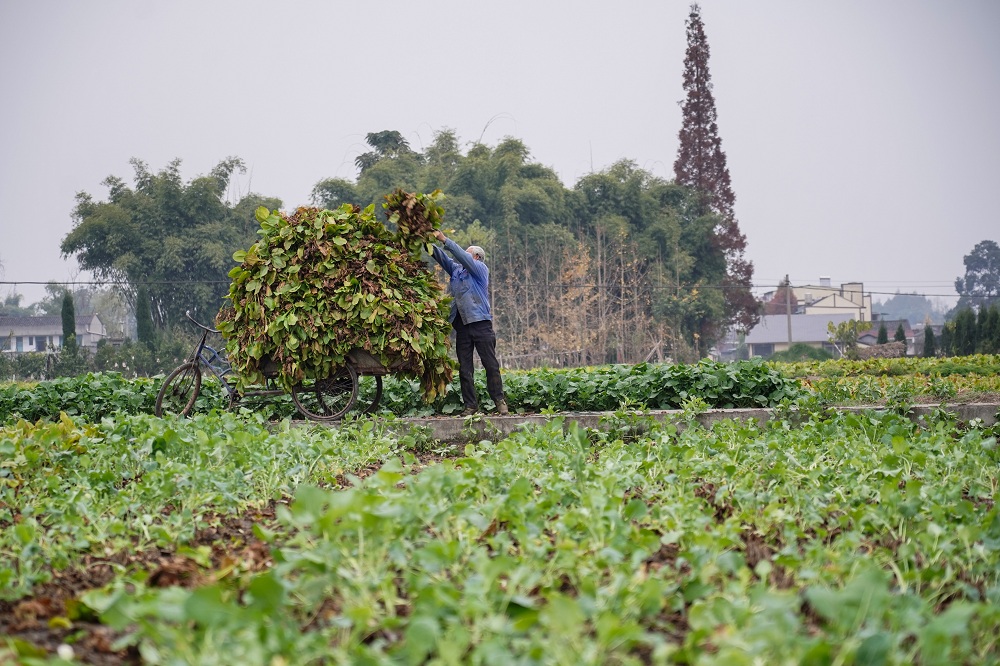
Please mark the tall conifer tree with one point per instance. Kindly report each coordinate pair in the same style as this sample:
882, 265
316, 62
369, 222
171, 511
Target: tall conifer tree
900, 335
930, 350
701, 165
68, 323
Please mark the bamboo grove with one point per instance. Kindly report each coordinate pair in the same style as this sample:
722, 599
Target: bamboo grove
623, 266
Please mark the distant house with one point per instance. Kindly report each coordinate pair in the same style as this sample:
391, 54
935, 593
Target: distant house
825, 299
771, 334
869, 337
29, 334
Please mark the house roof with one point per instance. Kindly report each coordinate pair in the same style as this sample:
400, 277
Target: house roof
805, 328
48, 321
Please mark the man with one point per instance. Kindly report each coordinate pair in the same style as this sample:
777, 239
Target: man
470, 316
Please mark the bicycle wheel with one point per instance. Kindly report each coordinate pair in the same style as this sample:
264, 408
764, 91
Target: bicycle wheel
369, 394
180, 390
327, 399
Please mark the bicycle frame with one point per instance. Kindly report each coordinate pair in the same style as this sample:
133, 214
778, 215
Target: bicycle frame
212, 359
216, 362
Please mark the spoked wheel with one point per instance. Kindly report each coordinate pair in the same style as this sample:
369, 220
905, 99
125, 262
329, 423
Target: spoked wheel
180, 390
369, 394
327, 399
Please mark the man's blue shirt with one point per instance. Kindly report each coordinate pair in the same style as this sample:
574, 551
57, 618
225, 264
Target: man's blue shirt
469, 283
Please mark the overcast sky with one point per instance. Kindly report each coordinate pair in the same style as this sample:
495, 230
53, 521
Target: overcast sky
863, 136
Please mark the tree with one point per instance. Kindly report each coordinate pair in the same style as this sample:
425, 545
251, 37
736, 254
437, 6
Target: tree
52, 303
11, 306
639, 225
911, 307
68, 323
72, 360
989, 331
442, 158
624, 266
177, 238
964, 333
784, 301
980, 287
844, 337
883, 335
947, 346
385, 144
900, 335
982, 328
333, 192
144, 319
701, 165
929, 349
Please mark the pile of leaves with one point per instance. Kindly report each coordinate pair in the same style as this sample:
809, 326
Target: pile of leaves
321, 283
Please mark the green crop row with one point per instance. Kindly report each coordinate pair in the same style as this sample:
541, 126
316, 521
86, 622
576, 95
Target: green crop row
899, 381
130, 482
605, 388
981, 364
831, 538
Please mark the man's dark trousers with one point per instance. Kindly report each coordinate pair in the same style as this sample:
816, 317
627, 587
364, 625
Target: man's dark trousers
478, 335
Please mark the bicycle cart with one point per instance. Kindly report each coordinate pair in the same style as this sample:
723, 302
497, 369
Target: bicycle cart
323, 400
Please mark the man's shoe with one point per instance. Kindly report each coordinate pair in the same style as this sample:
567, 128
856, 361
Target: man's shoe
468, 411
502, 408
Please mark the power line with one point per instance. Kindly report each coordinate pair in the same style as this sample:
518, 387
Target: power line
116, 283
685, 288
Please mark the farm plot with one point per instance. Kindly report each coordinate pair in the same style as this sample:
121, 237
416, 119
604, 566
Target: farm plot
834, 538
900, 382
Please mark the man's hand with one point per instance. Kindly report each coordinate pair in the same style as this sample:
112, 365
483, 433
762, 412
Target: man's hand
439, 235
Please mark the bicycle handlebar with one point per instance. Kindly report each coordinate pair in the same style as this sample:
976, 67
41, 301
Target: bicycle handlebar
187, 313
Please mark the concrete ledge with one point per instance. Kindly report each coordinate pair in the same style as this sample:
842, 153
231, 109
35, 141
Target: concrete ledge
456, 430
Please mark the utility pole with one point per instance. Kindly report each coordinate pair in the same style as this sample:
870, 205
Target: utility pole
788, 308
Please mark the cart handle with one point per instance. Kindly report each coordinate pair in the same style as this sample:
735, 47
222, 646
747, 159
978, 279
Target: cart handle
187, 313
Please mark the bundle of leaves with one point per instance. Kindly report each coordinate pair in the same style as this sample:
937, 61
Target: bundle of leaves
321, 283
414, 215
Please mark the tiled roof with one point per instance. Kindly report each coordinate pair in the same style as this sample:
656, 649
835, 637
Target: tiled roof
48, 320
49, 325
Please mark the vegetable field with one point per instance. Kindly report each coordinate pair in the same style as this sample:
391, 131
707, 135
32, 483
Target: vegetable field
819, 537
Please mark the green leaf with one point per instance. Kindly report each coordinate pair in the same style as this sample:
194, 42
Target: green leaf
207, 607
635, 510
874, 650
267, 594
420, 639
310, 502
864, 597
23, 648
562, 614
938, 637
